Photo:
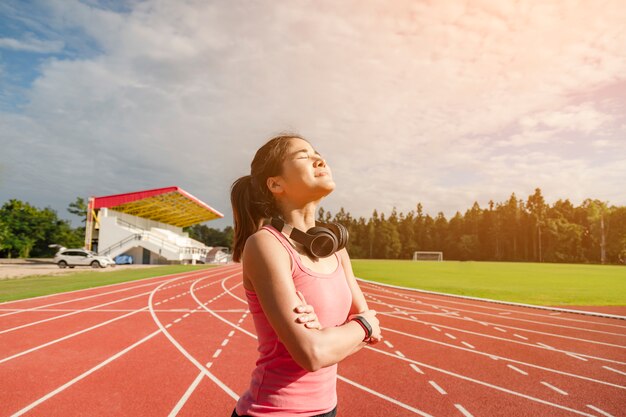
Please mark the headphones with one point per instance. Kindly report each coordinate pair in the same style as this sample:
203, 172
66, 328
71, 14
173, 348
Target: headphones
320, 241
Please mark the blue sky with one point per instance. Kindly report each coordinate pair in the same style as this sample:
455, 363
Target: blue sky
444, 103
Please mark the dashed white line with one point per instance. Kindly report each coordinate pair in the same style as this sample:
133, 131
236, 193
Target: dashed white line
545, 346
517, 369
232, 332
388, 343
577, 357
186, 315
225, 342
400, 354
435, 328
463, 410
437, 387
560, 391
177, 320
519, 336
416, 368
596, 409
217, 353
450, 336
468, 345
500, 330
614, 370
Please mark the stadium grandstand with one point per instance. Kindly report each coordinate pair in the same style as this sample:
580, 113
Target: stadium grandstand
148, 226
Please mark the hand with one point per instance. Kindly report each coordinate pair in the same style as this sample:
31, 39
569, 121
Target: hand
370, 316
307, 314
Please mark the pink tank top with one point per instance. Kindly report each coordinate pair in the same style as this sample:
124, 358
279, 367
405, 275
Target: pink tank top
279, 386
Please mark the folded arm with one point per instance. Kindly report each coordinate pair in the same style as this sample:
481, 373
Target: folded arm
266, 265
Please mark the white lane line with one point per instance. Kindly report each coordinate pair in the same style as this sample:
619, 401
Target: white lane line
463, 410
596, 409
437, 387
519, 336
416, 368
84, 374
560, 391
60, 339
186, 315
95, 368
542, 322
225, 342
177, 320
531, 365
484, 306
99, 294
485, 384
388, 343
232, 332
182, 350
384, 397
436, 328
179, 405
488, 336
500, 330
517, 369
468, 345
450, 336
400, 354
217, 353
577, 357
614, 370
209, 364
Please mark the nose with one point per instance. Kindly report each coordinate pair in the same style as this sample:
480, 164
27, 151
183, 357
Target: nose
320, 162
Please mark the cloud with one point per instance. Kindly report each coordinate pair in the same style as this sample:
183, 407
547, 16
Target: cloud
440, 103
32, 44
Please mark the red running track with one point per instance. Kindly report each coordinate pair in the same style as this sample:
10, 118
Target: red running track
184, 345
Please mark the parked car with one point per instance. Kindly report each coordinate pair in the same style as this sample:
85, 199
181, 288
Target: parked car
81, 257
123, 259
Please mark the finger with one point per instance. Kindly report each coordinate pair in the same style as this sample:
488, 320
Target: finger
304, 309
313, 325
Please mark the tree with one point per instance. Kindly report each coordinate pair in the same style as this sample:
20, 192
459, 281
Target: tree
537, 207
79, 208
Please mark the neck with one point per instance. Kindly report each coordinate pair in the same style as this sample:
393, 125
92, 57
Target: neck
302, 218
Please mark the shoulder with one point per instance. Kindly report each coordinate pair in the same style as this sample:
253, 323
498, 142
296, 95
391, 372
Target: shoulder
343, 255
263, 250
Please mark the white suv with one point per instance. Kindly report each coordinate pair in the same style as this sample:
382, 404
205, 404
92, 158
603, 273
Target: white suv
81, 257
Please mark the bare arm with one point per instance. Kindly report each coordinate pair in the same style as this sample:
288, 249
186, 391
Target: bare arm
359, 304
266, 265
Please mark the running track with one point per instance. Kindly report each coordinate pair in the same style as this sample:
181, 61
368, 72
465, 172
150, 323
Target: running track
184, 345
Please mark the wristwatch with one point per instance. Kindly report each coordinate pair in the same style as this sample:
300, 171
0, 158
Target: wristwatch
365, 325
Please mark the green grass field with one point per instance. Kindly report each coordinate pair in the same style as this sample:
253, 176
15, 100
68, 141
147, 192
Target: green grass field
531, 283
32, 286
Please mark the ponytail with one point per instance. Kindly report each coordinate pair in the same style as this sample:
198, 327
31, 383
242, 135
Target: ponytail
250, 198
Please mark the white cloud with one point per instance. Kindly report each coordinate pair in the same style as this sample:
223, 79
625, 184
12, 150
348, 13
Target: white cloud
408, 101
31, 44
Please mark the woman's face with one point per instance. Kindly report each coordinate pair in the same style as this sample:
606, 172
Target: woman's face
306, 176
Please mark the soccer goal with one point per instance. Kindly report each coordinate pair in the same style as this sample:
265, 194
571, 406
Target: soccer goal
427, 256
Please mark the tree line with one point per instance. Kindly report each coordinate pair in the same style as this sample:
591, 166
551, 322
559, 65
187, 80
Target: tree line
513, 230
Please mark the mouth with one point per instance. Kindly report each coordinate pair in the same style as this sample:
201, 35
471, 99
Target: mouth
322, 174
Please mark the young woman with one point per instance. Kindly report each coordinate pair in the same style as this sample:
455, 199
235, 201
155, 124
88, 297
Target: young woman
296, 372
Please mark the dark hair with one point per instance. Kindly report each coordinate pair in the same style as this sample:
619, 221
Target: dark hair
252, 201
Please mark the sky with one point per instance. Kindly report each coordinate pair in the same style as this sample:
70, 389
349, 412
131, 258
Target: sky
446, 103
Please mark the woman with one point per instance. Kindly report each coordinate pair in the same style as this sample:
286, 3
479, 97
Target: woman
295, 374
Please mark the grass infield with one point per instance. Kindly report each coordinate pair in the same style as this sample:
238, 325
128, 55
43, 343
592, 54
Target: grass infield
33, 286
531, 283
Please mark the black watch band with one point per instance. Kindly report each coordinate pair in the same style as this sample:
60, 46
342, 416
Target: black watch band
365, 325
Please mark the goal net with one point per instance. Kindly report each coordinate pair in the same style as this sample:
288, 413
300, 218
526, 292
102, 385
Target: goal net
427, 256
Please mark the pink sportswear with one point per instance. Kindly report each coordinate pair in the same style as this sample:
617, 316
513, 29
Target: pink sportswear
279, 386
